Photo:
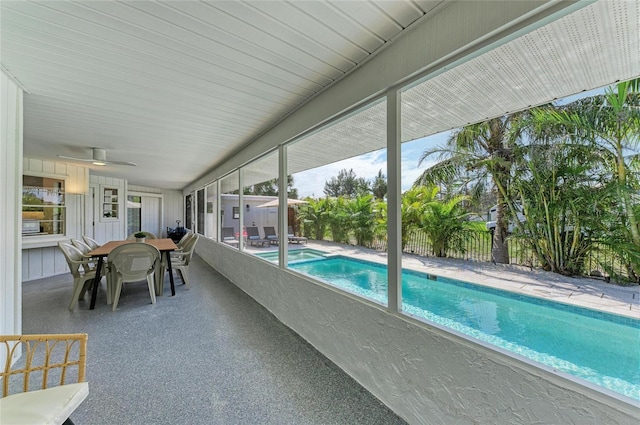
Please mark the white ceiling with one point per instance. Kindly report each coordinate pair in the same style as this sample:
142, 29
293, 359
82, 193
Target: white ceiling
592, 47
177, 86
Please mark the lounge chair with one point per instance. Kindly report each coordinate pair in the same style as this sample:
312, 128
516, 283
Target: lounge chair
253, 237
229, 236
270, 233
295, 239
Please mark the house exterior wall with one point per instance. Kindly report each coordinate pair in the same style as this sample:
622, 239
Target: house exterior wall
172, 204
424, 374
40, 255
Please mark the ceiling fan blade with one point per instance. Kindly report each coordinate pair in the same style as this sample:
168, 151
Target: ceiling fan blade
133, 164
76, 159
99, 158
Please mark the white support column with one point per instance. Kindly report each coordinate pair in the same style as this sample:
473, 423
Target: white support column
218, 229
240, 202
11, 167
394, 194
283, 209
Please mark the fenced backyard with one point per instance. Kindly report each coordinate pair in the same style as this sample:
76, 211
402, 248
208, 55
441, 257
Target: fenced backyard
476, 246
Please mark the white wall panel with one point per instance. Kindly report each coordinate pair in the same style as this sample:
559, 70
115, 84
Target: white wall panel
151, 214
105, 231
11, 123
172, 204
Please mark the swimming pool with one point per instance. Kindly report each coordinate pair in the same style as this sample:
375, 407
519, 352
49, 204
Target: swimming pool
294, 254
598, 347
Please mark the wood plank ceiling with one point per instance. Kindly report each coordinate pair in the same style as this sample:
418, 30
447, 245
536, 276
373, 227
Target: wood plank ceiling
176, 86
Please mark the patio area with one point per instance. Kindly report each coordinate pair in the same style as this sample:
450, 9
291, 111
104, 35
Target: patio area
582, 292
209, 355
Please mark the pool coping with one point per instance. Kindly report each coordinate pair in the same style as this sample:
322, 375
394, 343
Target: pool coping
577, 291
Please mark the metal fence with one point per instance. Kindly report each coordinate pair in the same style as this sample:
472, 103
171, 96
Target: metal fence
600, 262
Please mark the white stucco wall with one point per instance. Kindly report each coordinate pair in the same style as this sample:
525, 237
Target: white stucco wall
424, 374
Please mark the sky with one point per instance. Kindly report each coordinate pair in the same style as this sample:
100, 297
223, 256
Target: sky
311, 183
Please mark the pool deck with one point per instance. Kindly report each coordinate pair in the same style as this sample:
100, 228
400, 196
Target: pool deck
583, 292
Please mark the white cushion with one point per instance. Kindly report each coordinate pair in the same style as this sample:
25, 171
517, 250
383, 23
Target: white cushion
43, 407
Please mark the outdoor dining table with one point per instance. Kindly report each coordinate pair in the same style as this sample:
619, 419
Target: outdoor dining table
164, 246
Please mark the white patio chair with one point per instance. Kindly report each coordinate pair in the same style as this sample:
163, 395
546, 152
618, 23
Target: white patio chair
180, 260
92, 243
133, 262
83, 274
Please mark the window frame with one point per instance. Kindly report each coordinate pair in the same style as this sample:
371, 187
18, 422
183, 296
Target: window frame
44, 240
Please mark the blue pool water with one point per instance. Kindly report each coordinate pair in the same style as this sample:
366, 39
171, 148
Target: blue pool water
599, 347
294, 254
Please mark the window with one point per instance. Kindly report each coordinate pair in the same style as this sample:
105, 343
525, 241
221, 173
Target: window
211, 225
110, 203
339, 174
230, 210
134, 214
188, 212
43, 206
260, 206
200, 208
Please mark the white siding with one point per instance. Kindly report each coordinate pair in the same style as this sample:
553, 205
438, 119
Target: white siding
109, 230
43, 258
172, 204
40, 255
11, 123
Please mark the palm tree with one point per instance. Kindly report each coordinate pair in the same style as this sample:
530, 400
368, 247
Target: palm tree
563, 201
314, 217
610, 125
445, 223
412, 208
361, 219
476, 155
338, 219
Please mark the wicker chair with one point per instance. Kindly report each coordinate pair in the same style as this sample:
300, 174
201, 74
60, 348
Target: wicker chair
49, 384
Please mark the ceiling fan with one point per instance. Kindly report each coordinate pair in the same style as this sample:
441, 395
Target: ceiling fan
99, 158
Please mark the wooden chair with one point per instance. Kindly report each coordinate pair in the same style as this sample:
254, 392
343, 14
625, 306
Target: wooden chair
50, 378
